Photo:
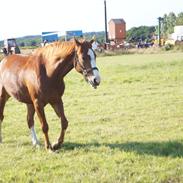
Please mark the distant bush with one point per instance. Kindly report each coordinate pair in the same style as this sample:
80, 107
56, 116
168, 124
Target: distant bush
178, 47
168, 47
114, 52
22, 44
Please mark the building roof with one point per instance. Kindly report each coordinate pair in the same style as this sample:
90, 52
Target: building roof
117, 20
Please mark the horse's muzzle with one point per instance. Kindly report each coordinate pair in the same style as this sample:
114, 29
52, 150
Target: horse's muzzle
94, 81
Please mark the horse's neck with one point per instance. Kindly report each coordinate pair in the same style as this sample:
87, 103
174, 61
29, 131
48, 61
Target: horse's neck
64, 65
59, 62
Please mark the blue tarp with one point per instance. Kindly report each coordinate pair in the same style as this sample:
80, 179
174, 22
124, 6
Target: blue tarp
75, 33
49, 36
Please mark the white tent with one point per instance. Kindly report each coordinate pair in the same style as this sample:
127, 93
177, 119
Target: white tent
178, 33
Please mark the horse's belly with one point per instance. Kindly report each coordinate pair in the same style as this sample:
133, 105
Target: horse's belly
20, 94
15, 88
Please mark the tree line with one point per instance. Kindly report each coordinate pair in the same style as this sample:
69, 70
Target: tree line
146, 33
169, 21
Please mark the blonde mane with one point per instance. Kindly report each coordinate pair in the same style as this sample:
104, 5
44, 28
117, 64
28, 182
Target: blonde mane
56, 49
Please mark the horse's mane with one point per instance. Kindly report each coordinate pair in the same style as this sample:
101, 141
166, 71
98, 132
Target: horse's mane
56, 49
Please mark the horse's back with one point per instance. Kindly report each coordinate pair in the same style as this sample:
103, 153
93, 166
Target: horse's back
12, 66
14, 62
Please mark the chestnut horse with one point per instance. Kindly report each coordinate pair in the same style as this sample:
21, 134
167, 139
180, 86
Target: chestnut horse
37, 80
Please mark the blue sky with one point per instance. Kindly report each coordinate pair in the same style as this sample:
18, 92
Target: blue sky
31, 17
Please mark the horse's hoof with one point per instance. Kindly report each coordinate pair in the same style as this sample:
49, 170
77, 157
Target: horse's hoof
35, 142
48, 147
50, 150
56, 146
37, 146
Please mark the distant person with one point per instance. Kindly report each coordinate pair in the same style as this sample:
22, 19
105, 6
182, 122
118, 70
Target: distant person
45, 42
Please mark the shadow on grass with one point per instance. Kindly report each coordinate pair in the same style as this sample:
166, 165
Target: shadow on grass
162, 149
170, 148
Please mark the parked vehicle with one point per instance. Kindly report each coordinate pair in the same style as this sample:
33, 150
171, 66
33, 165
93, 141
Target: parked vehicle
10, 47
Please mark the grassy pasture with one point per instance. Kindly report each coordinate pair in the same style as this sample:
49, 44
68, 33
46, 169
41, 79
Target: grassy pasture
128, 130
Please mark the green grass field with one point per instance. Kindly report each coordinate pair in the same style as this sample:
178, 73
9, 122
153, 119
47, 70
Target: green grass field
128, 130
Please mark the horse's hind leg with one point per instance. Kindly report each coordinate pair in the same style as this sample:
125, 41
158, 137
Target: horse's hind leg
3, 98
30, 122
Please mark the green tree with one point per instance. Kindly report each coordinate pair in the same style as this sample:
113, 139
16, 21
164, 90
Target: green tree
33, 43
141, 33
179, 20
168, 24
171, 22
164, 26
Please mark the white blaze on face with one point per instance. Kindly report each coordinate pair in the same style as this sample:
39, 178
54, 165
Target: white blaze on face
96, 75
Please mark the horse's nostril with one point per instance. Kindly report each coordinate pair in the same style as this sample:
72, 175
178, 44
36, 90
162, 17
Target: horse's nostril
95, 81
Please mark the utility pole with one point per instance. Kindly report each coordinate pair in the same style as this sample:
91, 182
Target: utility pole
160, 19
105, 14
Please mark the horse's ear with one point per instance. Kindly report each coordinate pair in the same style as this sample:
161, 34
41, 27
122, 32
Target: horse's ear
91, 41
77, 43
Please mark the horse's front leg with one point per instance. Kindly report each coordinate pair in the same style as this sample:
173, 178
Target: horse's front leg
59, 109
39, 108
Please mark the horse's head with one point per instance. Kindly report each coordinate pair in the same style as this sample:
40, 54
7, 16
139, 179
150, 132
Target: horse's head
85, 62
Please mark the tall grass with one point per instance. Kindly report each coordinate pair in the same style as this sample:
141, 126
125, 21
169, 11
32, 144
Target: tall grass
128, 130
